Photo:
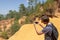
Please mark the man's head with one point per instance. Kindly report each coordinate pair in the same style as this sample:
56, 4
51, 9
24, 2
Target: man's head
45, 19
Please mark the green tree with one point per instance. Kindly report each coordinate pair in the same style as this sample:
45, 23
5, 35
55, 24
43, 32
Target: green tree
36, 2
39, 10
31, 4
49, 8
49, 4
1, 17
12, 14
22, 10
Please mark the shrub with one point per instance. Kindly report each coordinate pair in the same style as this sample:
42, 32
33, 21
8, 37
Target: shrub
28, 20
14, 28
4, 35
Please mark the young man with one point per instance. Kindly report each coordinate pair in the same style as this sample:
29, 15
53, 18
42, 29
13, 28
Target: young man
46, 30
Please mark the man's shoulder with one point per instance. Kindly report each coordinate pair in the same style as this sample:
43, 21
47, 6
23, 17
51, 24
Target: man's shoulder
48, 27
50, 23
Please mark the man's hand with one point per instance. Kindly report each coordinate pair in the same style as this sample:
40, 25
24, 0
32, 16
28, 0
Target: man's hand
38, 24
39, 33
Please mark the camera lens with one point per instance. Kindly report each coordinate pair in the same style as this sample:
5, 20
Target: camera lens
36, 22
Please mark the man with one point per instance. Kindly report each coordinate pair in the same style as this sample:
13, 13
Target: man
46, 30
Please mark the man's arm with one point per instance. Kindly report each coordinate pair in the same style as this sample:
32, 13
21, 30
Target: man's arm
39, 33
41, 25
45, 30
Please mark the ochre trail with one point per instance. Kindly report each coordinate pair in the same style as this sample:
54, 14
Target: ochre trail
27, 31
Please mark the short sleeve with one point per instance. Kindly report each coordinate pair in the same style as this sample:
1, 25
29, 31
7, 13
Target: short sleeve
46, 29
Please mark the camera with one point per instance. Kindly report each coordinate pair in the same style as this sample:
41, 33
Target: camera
36, 22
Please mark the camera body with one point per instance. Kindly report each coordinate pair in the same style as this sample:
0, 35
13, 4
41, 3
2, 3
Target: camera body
36, 22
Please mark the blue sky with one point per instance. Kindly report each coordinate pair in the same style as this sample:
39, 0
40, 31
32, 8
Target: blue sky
6, 5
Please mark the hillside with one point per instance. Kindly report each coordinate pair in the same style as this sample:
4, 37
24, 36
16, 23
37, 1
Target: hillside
27, 31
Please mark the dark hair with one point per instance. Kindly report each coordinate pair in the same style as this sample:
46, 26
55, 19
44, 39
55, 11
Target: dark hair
45, 18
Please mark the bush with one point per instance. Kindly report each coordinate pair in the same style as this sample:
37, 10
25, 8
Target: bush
4, 35
14, 28
28, 20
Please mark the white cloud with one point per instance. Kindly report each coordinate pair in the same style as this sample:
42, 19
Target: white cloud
27, 0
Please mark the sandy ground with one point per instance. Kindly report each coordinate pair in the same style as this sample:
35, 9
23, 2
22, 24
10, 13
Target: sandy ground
27, 31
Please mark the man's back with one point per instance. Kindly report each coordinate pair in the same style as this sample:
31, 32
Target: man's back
48, 31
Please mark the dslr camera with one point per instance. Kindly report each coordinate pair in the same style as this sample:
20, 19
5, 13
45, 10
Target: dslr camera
36, 22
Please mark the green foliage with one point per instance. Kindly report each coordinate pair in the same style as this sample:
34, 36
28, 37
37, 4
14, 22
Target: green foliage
22, 10
49, 3
37, 7
1, 17
11, 14
17, 16
14, 28
4, 35
31, 2
30, 19
27, 20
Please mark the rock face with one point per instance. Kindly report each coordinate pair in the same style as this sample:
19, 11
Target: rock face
6, 23
22, 20
27, 32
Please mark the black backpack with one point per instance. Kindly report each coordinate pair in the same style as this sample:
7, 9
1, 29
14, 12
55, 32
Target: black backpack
55, 33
